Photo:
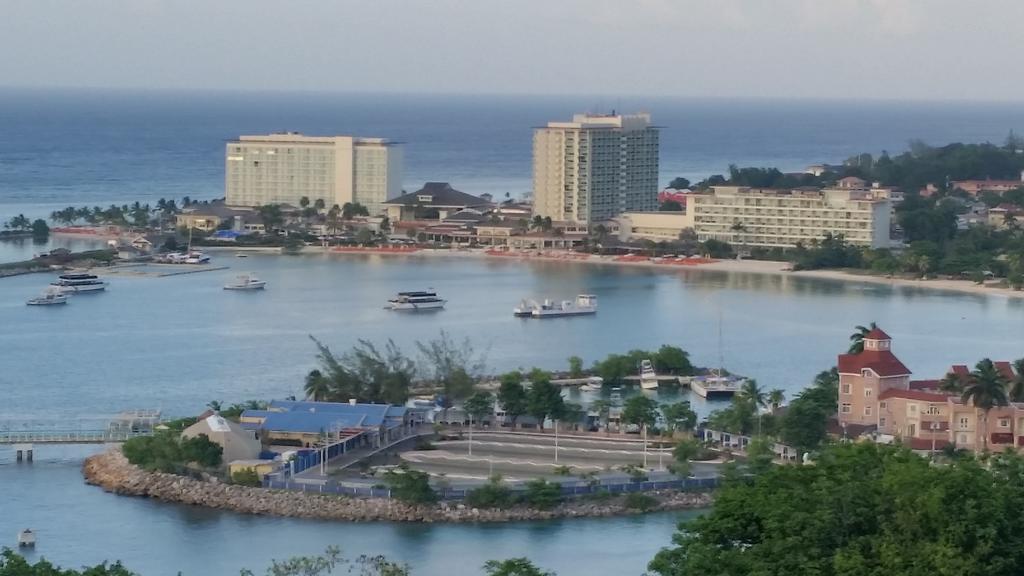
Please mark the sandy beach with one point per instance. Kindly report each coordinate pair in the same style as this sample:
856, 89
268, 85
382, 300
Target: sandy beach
743, 266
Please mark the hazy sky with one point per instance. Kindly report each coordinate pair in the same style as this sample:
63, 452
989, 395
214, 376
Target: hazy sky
906, 49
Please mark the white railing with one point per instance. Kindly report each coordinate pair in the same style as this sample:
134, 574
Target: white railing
66, 437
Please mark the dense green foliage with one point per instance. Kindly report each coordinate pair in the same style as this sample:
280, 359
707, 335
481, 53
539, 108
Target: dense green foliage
640, 501
513, 567
167, 452
493, 494
542, 494
679, 416
478, 405
861, 509
364, 373
411, 486
544, 399
641, 411
12, 564
512, 395
666, 360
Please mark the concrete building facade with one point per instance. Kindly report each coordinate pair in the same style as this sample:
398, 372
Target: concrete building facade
282, 168
781, 218
595, 167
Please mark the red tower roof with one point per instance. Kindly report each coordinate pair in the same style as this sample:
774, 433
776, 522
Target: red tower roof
877, 334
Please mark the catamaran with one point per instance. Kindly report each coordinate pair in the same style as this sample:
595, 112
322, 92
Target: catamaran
78, 283
421, 300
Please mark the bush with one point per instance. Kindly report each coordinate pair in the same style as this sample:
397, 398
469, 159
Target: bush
160, 453
494, 494
542, 494
201, 450
411, 486
636, 473
246, 477
563, 470
640, 501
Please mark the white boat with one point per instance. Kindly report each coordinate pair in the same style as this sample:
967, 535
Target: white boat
26, 539
425, 300
49, 297
714, 387
79, 283
246, 282
195, 257
525, 308
583, 305
593, 384
648, 378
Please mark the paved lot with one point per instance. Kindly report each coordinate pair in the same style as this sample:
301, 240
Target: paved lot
522, 457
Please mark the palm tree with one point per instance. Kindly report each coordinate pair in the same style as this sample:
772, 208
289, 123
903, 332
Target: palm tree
1017, 386
857, 338
952, 384
752, 391
986, 389
775, 399
317, 388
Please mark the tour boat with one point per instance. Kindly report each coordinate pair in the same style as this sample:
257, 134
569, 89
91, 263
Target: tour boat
648, 378
78, 283
26, 538
583, 305
246, 282
426, 300
714, 387
525, 308
49, 297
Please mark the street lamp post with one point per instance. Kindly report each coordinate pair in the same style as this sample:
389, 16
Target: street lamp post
556, 439
844, 431
644, 428
934, 428
470, 434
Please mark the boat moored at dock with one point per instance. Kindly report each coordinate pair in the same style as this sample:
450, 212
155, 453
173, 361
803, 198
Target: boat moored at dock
584, 304
648, 378
79, 283
714, 387
416, 301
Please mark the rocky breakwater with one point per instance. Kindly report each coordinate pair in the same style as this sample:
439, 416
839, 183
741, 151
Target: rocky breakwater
112, 472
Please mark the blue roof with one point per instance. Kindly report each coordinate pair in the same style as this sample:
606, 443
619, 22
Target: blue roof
374, 414
226, 234
304, 422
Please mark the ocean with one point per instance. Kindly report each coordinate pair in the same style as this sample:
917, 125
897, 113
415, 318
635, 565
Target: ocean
94, 147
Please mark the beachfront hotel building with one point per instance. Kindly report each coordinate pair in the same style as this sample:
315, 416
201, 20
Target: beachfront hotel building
595, 167
773, 218
283, 168
878, 400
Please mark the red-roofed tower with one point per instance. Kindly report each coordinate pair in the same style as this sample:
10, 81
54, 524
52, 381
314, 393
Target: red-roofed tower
864, 376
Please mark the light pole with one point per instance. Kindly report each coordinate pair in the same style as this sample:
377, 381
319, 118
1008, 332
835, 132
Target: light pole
843, 424
556, 440
643, 427
934, 428
470, 434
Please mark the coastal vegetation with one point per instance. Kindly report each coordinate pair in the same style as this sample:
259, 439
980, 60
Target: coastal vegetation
330, 562
168, 452
862, 508
667, 360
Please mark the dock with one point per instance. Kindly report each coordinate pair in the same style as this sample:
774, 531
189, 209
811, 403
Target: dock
171, 270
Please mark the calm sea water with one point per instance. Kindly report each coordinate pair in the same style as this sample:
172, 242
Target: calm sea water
96, 147
176, 343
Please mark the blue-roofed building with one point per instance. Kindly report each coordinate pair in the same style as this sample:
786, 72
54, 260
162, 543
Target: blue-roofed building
308, 424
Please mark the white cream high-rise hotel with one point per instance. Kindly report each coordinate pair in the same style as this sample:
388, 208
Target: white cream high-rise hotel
282, 168
595, 167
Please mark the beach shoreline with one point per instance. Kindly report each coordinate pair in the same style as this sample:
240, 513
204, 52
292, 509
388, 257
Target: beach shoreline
766, 267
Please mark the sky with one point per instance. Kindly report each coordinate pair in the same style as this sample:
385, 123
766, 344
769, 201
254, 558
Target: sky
850, 49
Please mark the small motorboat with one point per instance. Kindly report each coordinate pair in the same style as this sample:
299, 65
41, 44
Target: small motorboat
246, 282
26, 538
49, 297
241, 255
648, 378
593, 384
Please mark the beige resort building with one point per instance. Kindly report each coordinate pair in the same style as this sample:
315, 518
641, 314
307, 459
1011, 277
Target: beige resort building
282, 168
595, 167
878, 399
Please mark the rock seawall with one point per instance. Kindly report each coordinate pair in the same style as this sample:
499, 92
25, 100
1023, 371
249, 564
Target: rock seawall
112, 472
